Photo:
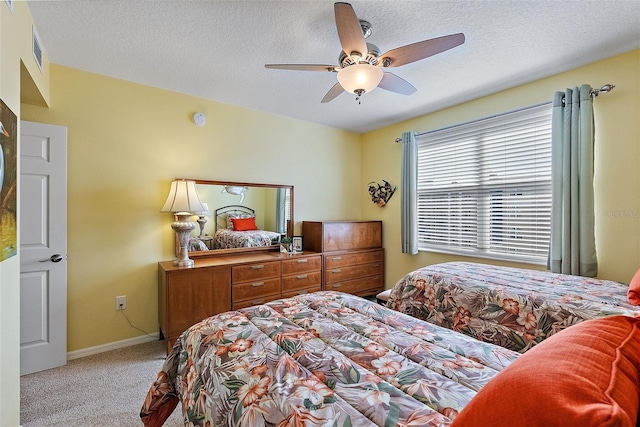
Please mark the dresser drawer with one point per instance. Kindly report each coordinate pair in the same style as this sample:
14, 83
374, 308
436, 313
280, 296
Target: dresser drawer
362, 286
301, 265
255, 289
353, 258
301, 291
333, 275
254, 301
257, 271
299, 281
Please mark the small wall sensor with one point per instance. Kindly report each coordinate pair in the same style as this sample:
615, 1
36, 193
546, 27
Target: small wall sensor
199, 119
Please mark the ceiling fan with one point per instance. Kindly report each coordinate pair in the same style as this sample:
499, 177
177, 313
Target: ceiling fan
360, 63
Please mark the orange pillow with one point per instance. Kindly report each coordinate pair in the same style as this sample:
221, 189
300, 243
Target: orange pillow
585, 375
244, 224
633, 293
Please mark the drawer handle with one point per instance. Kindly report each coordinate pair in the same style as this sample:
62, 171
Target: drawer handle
302, 261
337, 270
336, 285
302, 292
257, 267
258, 301
255, 285
336, 258
302, 276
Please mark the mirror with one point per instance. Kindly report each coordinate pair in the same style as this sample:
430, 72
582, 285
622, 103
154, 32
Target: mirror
271, 206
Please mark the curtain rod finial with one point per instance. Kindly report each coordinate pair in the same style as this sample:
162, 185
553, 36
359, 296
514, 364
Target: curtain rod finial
607, 88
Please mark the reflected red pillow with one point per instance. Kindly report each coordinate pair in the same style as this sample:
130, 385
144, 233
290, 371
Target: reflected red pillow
633, 293
244, 224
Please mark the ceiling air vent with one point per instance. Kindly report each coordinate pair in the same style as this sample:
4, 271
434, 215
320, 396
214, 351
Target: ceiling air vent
37, 48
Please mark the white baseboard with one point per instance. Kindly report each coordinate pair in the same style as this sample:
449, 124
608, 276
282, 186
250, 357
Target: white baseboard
76, 354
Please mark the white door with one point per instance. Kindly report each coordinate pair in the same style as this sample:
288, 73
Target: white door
43, 247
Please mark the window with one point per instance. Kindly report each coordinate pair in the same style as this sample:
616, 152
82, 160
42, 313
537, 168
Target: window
484, 188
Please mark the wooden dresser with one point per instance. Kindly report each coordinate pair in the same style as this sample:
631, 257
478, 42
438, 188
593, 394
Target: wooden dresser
352, 254
218, 284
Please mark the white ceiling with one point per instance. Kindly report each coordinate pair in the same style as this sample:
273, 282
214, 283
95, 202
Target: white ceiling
217, 49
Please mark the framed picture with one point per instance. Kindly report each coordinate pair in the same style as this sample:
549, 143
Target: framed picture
296, 243
8, 179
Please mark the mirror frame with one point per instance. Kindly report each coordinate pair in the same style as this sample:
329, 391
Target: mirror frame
219, 252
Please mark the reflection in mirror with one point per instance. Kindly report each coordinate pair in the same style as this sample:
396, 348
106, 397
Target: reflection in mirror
261, 214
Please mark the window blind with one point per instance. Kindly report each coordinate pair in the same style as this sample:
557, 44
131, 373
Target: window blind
484, 187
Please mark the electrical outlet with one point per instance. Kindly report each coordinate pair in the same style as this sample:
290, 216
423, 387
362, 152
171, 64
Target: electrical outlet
121, 302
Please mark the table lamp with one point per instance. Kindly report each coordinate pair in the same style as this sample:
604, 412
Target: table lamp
183, 201
202, 220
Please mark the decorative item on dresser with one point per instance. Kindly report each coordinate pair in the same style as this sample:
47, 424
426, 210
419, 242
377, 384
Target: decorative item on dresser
221, 283
352, 254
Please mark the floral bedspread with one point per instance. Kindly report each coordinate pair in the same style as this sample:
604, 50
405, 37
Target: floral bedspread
511, 307
227, 239
321, 359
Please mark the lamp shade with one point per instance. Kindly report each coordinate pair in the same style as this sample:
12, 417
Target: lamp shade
183, 197
205, 211
360, 77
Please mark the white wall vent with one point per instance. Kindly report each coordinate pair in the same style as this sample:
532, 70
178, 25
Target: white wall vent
10, 5
37, 49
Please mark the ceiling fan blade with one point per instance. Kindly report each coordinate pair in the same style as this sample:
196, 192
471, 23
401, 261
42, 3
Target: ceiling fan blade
420, 50
333, 93
302, 67
396, 84
349, 30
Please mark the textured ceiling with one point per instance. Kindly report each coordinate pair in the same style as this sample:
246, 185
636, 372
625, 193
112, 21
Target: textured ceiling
217, 49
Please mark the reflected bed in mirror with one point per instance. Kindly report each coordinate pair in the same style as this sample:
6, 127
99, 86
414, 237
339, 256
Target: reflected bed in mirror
243, 216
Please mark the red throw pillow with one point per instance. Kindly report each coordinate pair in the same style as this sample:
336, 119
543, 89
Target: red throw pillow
585, 375
633, 293
244, 224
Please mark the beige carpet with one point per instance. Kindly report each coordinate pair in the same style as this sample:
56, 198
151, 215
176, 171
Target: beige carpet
106, 389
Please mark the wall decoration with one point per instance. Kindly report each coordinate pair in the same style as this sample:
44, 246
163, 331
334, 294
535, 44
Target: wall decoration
381, 193
8, 182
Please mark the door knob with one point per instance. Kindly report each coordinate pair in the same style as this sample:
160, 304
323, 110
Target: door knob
53, 258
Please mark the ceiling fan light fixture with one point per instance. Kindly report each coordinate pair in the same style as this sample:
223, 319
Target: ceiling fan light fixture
360, 78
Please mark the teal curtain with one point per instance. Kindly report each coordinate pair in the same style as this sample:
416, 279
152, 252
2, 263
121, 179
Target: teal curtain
281, 219
408, 194
573, 247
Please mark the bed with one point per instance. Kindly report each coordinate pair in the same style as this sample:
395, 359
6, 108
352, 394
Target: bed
511, 307
321, 359
236, 228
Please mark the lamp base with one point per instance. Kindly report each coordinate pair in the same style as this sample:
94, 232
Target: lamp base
201, 221
183, 263
182, 226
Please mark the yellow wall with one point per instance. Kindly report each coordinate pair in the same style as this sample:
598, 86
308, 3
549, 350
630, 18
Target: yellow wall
617, 151
126, 142
17, 71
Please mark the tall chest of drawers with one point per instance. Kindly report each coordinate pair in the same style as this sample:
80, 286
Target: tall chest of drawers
352, 254
218, 284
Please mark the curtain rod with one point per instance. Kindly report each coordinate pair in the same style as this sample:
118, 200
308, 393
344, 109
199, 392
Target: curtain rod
594, 92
